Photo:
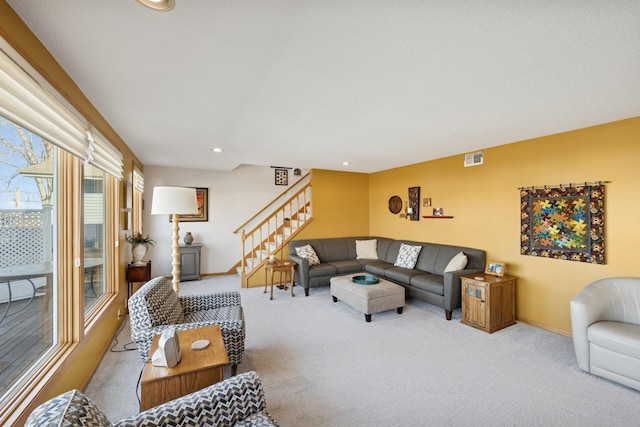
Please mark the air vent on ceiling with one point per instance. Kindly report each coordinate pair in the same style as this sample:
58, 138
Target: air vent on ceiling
473, 159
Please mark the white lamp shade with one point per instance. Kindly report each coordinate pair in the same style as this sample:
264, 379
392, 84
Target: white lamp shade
174, 200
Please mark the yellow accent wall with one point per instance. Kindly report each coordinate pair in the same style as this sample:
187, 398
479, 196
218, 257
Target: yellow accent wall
485, 203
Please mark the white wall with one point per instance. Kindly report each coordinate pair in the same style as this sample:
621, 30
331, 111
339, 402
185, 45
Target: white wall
234, 197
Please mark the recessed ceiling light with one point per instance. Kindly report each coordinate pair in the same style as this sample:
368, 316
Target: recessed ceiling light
346, 163
217, 150
159, 5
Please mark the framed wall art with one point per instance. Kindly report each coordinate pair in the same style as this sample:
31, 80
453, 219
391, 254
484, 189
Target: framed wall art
282, 177
563, 222
202, 195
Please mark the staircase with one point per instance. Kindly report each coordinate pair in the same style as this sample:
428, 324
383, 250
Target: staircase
275, 225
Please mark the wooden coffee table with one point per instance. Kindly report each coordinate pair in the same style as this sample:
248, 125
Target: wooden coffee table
196, 370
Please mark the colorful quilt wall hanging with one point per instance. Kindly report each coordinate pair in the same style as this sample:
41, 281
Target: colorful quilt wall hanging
563, 222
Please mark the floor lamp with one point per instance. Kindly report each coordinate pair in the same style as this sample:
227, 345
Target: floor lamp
174, 201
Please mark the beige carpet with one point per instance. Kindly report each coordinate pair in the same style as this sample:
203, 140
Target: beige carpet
323, 365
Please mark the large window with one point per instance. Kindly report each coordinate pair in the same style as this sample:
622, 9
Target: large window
58, 228
27, 253
94, 236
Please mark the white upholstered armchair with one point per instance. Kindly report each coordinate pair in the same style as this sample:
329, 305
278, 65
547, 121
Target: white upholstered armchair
155, 306
605, 322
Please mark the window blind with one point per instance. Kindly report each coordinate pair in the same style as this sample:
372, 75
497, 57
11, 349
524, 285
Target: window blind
27, 103
138, 180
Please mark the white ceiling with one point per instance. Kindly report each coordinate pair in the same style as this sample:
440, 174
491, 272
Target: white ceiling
313, 83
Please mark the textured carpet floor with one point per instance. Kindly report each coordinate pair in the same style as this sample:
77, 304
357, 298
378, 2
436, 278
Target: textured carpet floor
323, 365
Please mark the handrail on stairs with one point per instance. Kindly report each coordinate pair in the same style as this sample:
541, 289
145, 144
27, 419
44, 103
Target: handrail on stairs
271, 203
269, 236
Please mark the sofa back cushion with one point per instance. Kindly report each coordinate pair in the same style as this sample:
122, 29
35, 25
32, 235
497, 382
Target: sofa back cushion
68, 409
435, 257
163, 304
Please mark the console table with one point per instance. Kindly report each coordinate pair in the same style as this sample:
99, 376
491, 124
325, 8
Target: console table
488, 302
190, 262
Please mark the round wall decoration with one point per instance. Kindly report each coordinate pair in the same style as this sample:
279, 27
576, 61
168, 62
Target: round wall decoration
395, 204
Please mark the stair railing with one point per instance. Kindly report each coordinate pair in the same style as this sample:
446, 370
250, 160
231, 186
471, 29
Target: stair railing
279, 224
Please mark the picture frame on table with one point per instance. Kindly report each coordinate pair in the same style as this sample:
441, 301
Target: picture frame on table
202, 197
495, 268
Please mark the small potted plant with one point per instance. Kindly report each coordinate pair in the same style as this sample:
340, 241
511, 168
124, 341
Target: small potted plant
139, 246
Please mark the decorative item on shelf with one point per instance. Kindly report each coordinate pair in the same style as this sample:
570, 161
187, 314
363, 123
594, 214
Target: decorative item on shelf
139, 246
438, 212
188, 238
495, 269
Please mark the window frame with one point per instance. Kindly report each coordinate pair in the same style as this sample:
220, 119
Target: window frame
72, 324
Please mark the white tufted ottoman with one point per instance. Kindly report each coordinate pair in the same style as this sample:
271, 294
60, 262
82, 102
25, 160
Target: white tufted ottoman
368, 298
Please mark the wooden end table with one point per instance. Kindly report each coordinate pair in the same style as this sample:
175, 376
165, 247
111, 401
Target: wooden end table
488, 302
281, 266
196, 370
137, 274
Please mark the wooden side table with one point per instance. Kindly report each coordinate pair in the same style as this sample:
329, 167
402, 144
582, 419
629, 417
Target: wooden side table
196, 370
281, 266
137, 274
488, 302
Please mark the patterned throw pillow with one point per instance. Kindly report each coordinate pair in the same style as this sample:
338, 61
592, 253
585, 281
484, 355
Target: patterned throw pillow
407, 256
307, 252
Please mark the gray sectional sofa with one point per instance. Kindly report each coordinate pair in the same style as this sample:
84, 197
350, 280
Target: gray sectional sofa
427, 281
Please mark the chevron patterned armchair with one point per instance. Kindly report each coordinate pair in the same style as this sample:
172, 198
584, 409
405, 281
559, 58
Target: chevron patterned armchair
156, 306
237, 401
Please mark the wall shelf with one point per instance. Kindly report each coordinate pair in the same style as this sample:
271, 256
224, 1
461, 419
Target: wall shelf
438, 216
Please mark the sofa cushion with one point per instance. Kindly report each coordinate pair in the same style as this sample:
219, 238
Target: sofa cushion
308, 253
163, 304
323, 269
228, 313
367, 249
348, 266
408, 256
377, 267
618, 337
68, 409
402, 275
429, 282
458, 262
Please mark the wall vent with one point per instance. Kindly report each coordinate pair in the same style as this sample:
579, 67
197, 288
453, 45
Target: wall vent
473, 159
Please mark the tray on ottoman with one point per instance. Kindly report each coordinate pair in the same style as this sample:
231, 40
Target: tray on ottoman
370, 299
